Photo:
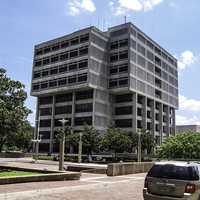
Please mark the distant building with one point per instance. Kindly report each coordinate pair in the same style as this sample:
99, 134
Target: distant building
187, 128
120, 76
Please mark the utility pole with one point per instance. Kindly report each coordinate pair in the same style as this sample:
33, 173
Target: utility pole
62, 145
139, 152
80, 148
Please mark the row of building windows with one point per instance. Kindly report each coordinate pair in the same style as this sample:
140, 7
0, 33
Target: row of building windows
79, 108
118, 69
157, 50
145, 41
70, 80
157, 71
155, 60
64, 44
78, 121
127, 123
119, 44
114, 57
62, 56
60, 98
61, 69
118, 82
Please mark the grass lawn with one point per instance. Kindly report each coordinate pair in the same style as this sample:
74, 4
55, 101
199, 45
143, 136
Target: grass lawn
16, 173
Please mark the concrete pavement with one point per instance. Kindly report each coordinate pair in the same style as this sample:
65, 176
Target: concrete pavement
89, 187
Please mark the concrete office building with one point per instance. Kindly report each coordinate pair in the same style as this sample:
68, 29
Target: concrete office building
187, 128
120, 76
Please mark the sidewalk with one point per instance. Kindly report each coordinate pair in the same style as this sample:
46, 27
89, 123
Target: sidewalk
47, 164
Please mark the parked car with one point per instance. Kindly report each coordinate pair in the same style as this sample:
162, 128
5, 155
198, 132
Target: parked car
173, 181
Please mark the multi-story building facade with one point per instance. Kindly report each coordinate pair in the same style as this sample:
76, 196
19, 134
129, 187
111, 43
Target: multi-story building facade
120, 76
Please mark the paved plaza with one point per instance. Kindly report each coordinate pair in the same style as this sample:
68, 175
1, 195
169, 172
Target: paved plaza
89, 187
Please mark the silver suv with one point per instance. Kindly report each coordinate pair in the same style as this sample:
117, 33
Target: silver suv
173, 181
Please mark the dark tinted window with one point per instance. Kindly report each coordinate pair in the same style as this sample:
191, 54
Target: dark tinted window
63, 110
63, 98
170, 171
79, 121
83, 108
126, 110
84, 95
45, 100
123, 98
123, 123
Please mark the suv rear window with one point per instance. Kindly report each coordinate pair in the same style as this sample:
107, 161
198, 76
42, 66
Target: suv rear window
170, 171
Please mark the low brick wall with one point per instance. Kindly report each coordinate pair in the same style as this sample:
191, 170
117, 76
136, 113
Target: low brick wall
44, 176
117, 169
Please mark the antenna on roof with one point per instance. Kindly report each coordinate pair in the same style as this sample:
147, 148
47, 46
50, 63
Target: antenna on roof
98, 23
103, 23
125, 19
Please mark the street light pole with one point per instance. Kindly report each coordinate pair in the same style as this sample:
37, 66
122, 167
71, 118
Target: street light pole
80, 148
62, 145
139, 147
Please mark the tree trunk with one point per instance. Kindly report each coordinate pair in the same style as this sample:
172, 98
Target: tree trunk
1, 145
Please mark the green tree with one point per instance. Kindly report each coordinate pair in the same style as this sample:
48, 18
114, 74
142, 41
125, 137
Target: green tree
147, 141
90, 139
13, 112
181, 146
23, 138
116, 141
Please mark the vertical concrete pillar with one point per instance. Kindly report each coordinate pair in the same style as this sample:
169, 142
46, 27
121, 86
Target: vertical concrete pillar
161, 122
71, 149
174, 122
93, 107
134, 120
51, 142
144, 113
73, 109
168, 121
36, 123
153, 117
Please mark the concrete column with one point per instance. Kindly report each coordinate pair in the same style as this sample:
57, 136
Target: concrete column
153, 117
144, 113
134, 120
71, 149
168, 121
73, 109
161, 122
36, 123
174, 122
93, 107
52, 126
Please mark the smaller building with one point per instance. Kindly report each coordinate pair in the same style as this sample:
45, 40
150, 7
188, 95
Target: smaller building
187, 128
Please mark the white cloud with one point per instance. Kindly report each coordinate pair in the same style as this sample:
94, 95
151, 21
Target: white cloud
123, 6
76, 7
186, 59
186, 120
187, 104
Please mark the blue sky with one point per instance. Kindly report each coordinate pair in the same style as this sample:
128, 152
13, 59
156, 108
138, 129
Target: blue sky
174, 24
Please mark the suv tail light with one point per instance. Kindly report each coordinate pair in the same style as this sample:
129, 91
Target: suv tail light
190, 188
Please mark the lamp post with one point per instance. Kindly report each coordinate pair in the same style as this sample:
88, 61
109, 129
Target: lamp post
62, 145
139, 152
80, 148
